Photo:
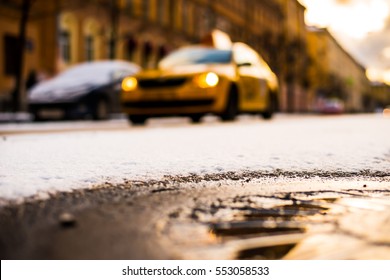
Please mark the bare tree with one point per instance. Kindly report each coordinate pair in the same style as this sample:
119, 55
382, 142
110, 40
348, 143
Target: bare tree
29, 9
17, 94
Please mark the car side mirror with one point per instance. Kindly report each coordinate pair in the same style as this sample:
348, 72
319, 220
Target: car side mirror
244, 64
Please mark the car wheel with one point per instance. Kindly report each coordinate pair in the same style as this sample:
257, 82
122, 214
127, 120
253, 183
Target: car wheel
270, 108
137, 120
36, 117
231, 109
100, 111
196, 118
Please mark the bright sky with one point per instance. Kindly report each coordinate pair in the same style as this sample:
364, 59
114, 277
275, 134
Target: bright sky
361, 26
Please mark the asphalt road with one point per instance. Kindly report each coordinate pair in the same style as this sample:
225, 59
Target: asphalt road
297, 211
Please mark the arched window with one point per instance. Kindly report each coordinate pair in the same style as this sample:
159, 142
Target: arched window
146, 9
67, 38
89, 48
184, 16
147, 53
130, 48
162, 52
161, 12
92, 40
129, 6
65, 46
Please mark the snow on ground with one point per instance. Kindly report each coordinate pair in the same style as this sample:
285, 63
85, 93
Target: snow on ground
37, 164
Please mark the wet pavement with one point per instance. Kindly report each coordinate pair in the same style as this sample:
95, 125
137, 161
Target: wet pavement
224, 216
305, 225
297, 187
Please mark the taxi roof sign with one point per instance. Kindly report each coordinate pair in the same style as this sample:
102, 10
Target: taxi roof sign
217, 39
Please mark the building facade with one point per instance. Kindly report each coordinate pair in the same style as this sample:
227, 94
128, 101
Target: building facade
62, 33
293, 58
379, 98
334, 73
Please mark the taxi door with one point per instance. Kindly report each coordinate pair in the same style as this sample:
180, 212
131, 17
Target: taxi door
252, 83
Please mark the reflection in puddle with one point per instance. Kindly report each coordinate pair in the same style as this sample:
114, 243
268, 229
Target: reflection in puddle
283, 226
265, 253
286, 219
261, 230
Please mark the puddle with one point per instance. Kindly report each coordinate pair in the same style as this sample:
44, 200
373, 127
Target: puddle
255, 227
243, 229
285, 211
265, 253
289, 217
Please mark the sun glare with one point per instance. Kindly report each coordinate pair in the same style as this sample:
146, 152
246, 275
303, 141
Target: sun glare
373, 74
386, 77
386, 53
354, 19
378, 75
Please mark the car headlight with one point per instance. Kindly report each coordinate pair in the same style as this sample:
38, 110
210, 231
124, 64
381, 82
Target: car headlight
207, 80
129, 84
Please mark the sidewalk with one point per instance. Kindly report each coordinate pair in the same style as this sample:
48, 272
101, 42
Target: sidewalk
6, 117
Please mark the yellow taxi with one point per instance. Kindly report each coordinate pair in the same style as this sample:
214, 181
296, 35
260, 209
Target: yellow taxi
197, 80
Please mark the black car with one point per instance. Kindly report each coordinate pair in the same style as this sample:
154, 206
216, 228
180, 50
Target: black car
90, 89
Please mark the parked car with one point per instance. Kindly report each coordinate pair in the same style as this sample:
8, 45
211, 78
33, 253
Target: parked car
197, 80
332, 106
87, 89
386, 111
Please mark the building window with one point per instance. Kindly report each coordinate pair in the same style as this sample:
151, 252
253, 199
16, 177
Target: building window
10, 55
108, 48
147, 52
130, 7
171, 13
131, 46
65, 46
185, 19
162, 52
89, 49
161, 12
146, 9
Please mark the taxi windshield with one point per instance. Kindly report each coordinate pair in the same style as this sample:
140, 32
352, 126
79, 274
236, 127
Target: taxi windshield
196, 55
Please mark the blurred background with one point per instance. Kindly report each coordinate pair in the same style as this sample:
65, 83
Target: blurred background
39, 39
